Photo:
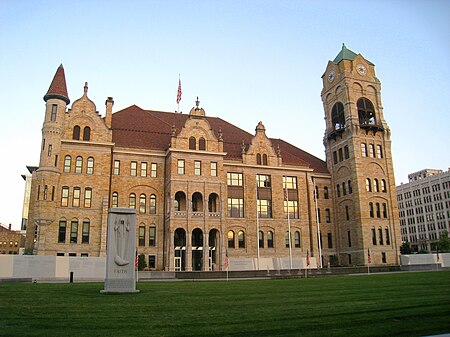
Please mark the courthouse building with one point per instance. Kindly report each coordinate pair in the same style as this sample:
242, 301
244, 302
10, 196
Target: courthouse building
424, 206
204, 189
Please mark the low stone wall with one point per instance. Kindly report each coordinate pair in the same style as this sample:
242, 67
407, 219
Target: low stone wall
418, 262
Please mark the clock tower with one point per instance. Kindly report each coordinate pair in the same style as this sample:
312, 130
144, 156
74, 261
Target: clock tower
358, 154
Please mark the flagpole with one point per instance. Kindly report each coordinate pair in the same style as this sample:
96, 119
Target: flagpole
257, 222
179, 92
289, 223
318, 224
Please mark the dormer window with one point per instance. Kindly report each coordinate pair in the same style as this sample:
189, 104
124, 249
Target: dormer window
192, 143
76, 132
87, 133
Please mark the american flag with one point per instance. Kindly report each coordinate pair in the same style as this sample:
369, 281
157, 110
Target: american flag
368, 256
225, 264
307, 257
179, 91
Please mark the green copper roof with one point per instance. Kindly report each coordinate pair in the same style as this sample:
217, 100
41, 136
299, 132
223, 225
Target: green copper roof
346, 54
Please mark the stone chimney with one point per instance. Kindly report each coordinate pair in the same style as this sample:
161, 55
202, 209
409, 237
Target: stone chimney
108, 117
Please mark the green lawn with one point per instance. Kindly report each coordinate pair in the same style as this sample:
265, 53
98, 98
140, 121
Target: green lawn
403, 304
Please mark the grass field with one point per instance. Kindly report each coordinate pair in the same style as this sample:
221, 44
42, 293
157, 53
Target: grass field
403, 304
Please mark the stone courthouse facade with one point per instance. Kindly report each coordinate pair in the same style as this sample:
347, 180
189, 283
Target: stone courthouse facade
204, 190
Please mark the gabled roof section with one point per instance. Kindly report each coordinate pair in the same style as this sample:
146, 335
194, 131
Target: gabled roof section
134, 127
346, 54
58, 87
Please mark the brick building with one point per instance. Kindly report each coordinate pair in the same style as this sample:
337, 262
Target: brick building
10, 241
203, 188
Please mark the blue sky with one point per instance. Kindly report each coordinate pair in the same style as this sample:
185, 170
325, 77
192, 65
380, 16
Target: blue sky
248, 61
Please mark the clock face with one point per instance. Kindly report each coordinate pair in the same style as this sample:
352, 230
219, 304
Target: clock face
361, 69
331, 76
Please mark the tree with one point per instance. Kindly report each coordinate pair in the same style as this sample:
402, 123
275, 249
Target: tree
141, 262
405, 249
444, 243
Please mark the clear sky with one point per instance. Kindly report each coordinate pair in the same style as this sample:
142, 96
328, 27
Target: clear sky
248, 61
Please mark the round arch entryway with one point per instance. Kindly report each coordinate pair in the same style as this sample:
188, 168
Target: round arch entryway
179, 242
214, 249
197, 249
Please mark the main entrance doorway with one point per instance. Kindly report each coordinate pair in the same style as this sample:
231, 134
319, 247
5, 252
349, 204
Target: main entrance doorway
197, 249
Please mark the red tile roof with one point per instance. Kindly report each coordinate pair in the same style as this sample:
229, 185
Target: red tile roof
58, 87
137, 128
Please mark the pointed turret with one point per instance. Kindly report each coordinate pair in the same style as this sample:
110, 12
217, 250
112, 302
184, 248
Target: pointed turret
347, 54
58, 88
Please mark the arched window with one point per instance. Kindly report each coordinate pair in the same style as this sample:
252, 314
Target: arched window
264, 159
344, 189
153, 204
286, 239
202, 144
90, 165
76, 132
79, 165
192, 143
180, 201
67, 164
371, 209
197, 202
115, 200
338, 190
368, 185
197, 238
62, 230
261, 239
376, 186
85, 231
269, 239
383, 186
366, 112
297, 239
142, 203
241, 239
230, 239
213, 203
87, 133
325, 192
132, 203
337, 116
179, 239
258, 159
350, 189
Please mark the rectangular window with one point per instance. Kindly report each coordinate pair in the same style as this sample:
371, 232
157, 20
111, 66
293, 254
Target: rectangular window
377, 205
197, 167
235, 208
263, 180
380, 235
154, 169
49, 150
388, 240
213, 169
346, 152
349, 238
143, 169
152, 261
141, 236
372, 150
65, 197
62, 231
87, 197
341, 156
85, 233
364, 149
133, 169
293, 209
335, 160
116, 167
76, 197
152, 236
74, 231
181, 166
327, 215
290, 182
264, 208
383, 257
53, 113
384, 211
318, 216
234, 179
330, 240
379, 151
374, 237
347, 215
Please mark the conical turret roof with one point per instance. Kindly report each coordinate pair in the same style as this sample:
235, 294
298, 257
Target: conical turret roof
58, 87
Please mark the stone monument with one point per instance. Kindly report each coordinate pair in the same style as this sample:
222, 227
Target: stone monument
121, 251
